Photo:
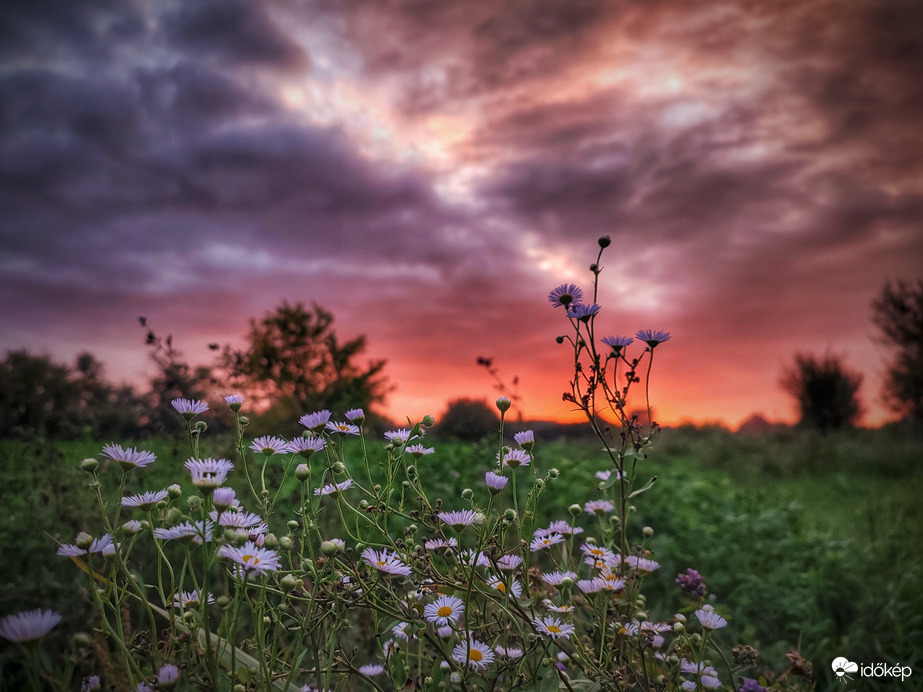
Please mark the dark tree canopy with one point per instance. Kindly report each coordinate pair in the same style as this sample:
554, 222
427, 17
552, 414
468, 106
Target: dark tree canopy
468, 420
898, 313
826, 392
294, 359
39, 397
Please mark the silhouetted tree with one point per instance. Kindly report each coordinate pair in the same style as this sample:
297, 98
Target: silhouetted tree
826, 392
898, 313
468, 420
294, 361
39, 397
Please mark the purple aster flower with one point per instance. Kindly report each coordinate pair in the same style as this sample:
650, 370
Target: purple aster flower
596, 554
542, 542
461, 518
515, 458
617, 343
342, 428
189, 408
315, 421
129, 458
508, 651
514, 589
652, 338
385, 561
470, 557
167, 676
234, 402
334, 489
371, 669
444, 610
208, 474
269, 445
495, 482
692, 583
187, 532
553, 627
252, 558
594, 585
582, 311
473, 654
132, 527
306, 446
399, 436
557, 578
709, 619
86, 545
509, 562
564, 295
550, 605
751, 685
525, 439
440, 544
28, 625
598, 507
417, 451
145, 501
355, 415
224, 498
237, 520
642, 564
191, 599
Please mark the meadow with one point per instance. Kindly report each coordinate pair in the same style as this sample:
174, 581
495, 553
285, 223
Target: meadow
812, 541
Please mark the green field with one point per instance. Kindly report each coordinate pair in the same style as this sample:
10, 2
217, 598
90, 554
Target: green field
808, 542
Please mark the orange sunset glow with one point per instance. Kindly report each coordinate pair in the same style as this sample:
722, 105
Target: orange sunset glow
429, 172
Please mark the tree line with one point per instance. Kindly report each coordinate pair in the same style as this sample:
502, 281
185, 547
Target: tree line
293, 362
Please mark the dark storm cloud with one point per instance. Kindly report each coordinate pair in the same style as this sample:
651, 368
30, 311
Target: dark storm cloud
233, 31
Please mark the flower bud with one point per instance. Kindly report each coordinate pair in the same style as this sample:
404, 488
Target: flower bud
332, 546
289, 582
504, 403
575, 510
270, 541
467, 494
302, 472
647, 531
604, 241
243, 420
174, 491
83, 540
553, 473
338, 468
285, 543
194, 503
510, 515
81, 639
89, 465
201, 426
559, 339
428, 420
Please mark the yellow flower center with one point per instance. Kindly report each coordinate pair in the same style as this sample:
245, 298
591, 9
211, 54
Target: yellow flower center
250, 559
382, 563
444, 611
475, 655
554, 629
596, 551
500, 586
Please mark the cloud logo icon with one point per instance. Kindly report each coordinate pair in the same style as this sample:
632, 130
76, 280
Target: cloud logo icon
841, 666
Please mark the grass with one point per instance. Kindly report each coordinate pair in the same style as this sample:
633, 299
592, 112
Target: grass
805, 540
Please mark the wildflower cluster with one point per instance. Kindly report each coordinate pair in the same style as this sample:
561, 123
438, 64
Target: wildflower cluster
373, 582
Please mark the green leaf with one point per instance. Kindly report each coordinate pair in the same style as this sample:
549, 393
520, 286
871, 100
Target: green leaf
647, 486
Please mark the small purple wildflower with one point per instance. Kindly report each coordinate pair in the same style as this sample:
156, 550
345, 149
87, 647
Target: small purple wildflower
692, 583
617, 343
652, 338
564, 295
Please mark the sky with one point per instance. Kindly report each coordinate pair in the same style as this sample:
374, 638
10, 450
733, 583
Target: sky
429, 171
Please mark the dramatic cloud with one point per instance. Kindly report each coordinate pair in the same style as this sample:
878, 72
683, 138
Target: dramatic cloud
428, 171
